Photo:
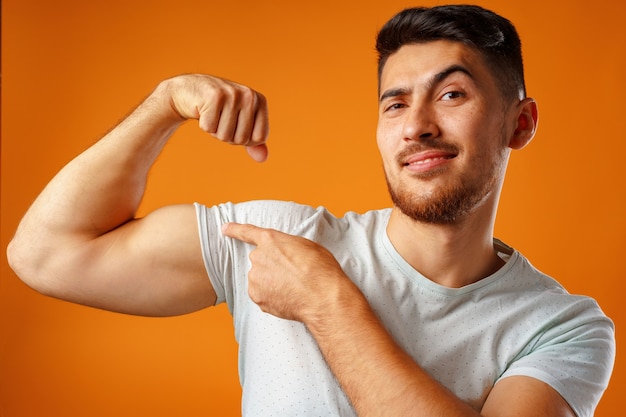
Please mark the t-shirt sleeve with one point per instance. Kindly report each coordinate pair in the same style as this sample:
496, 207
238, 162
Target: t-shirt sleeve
575, 357
214, 248
225, 259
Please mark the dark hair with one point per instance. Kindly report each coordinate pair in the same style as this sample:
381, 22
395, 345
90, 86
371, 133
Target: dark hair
493, 36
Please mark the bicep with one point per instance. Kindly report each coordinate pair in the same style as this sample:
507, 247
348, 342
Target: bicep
150, 266
521, 396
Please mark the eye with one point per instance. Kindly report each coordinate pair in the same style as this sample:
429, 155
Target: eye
394, 106
452, 95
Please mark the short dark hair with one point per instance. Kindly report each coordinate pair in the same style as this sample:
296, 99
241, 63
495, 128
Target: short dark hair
493, 36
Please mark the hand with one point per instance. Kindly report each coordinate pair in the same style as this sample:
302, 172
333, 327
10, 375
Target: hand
291, 277
231, 112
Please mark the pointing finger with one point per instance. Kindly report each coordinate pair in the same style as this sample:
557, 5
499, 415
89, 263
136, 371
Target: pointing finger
245, 232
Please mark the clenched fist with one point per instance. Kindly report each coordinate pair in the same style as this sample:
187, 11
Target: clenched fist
231, 112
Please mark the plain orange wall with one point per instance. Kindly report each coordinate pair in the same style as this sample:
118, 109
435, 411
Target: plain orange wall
72, 68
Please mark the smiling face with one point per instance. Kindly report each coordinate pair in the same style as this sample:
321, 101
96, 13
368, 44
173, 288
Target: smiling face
443, 131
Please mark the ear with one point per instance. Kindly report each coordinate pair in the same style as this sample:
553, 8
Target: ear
527, 119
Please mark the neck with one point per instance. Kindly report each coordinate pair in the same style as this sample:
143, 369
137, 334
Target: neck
450, 255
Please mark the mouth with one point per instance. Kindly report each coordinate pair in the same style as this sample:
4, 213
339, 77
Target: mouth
428, 158
427, 162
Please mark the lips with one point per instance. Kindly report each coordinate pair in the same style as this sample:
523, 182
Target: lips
427, 157
430, 157
427, 162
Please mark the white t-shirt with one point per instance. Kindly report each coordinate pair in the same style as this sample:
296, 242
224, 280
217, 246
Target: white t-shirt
516, 322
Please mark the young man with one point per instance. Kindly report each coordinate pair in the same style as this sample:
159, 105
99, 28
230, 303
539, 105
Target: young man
413, 310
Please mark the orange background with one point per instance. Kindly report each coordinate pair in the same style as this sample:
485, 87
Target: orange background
72, 68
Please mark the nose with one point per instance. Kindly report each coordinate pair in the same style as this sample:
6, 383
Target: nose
419, 123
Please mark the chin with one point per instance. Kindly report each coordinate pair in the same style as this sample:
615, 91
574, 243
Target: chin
441, 207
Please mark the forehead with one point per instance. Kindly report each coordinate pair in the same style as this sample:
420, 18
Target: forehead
420, 62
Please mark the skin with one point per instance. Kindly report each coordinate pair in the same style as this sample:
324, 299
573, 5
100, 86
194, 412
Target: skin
444, 127
80, 240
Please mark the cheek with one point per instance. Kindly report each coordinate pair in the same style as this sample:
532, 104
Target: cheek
388, 135
382, 140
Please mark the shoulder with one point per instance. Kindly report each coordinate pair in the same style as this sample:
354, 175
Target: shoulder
537, 306
541, 293
554, 336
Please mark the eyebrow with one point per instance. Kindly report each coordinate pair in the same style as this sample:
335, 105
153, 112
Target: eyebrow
436, 79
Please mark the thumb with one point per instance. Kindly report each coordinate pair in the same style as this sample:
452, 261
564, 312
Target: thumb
259, 152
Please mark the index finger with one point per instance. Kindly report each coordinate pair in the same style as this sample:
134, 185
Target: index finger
245, 232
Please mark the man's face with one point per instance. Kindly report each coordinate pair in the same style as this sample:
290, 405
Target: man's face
442, 131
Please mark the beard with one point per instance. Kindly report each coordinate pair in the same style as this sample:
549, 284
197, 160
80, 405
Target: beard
444, 206
448, 204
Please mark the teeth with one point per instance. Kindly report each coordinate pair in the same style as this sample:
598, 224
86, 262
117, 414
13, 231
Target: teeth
423, 161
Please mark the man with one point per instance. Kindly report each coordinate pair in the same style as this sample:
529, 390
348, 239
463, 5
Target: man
413, 310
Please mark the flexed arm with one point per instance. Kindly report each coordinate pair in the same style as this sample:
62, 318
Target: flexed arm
80, 240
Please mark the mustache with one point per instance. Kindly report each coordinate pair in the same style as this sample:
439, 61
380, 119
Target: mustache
426, 144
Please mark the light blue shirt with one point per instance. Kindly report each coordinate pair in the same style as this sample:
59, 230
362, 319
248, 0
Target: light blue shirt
517, 321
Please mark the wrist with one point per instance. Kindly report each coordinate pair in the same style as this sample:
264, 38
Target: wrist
340, 303
160, 103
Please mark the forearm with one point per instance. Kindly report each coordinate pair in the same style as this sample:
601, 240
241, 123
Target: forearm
100, 189
80, 240
297, 279
377, 375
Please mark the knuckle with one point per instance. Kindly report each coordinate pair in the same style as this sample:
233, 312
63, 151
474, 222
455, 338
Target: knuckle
254, 295
247, 95
261, 99
219, 95
267, 235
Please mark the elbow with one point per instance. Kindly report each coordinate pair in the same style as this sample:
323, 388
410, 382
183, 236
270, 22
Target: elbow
16, 259
24, 262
